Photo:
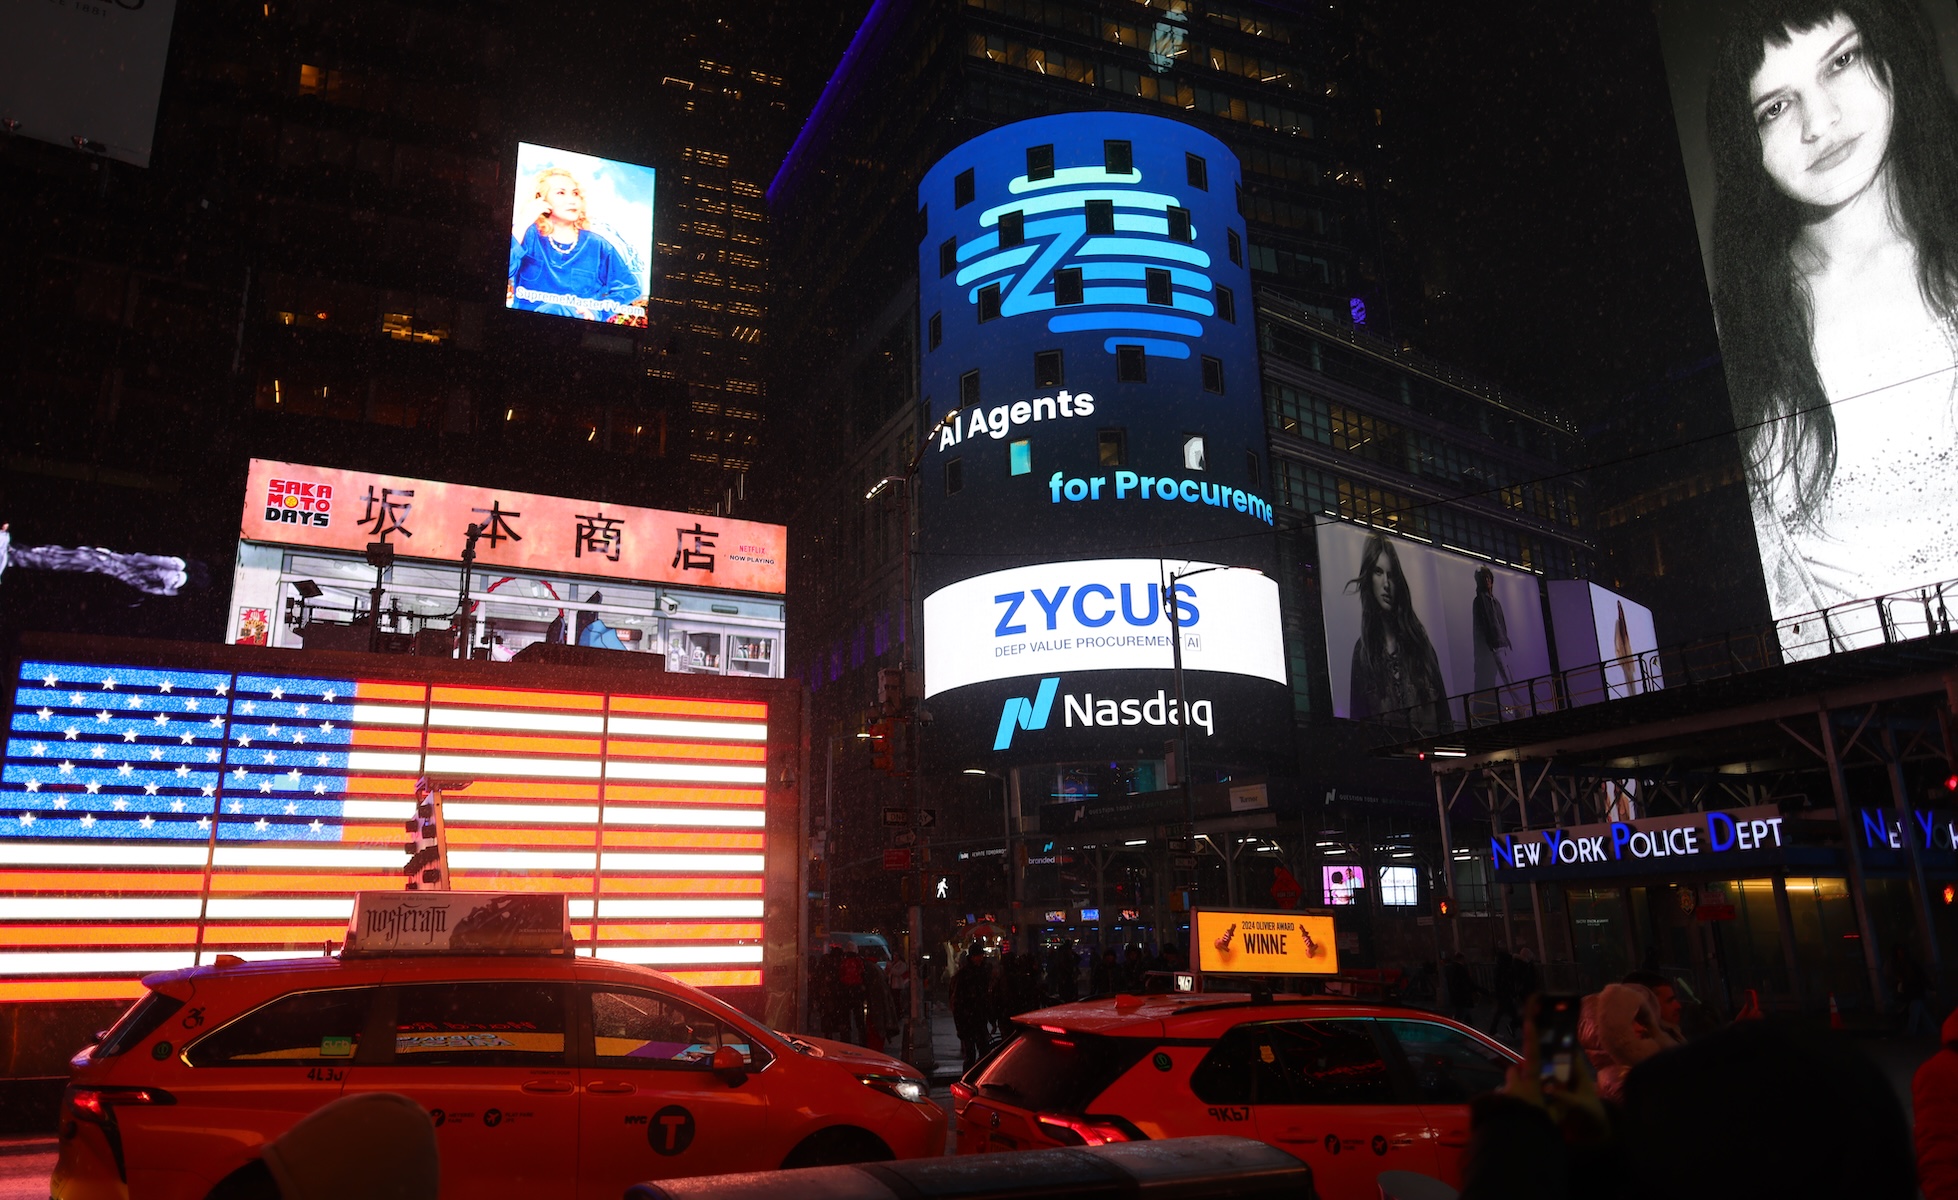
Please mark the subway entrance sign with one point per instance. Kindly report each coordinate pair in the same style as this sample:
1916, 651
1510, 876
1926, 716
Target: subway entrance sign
1261, 942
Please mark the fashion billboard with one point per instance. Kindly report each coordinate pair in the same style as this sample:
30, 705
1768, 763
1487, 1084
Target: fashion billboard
1821, 147
168, 803
1606, 645
1090, 370
581, 237
86, 75
1426, 638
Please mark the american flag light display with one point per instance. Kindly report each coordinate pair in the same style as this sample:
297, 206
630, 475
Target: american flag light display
116, 779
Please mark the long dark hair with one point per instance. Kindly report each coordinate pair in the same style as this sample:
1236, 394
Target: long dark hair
1760, 300
1418, 656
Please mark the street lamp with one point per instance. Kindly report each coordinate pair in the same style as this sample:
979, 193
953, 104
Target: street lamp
1170, 580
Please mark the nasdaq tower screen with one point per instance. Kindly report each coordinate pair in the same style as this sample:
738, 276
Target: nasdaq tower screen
1090, 366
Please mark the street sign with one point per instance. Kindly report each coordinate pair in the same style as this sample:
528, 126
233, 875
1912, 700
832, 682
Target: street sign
1285, 889
1186, 862
897, 859
927, 817
897, 816
904, 837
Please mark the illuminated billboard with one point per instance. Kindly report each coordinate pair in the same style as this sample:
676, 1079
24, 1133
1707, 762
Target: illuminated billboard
581, 236
87, 75
1606, 645
1819, 145
170, 804
1089, 361
1409, 628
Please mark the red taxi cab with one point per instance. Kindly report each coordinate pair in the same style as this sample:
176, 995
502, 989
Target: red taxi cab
547, 1076
1353, 1089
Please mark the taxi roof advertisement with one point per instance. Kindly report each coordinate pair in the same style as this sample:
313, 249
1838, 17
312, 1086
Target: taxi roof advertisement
327, 508
459, 923
1246, 942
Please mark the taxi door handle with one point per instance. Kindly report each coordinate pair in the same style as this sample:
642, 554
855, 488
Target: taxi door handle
610, 1089
547, 1087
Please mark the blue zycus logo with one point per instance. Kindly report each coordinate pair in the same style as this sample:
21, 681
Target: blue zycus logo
1022, 713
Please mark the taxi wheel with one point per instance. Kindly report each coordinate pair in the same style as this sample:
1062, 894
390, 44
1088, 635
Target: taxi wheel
837, 1146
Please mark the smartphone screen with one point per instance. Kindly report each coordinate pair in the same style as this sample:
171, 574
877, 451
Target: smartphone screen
1556, 1031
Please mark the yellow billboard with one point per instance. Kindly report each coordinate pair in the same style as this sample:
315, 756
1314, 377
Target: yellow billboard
1263, 943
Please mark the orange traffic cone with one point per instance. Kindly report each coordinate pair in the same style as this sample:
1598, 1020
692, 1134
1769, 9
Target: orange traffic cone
1835, 1014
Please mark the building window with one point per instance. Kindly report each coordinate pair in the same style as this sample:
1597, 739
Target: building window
1012, 228
1236, 245
1193, 459
1113, 447
1213, 374
1400, 887
1019, 456
1118, 158
1179, 224
1251, 466
948, 256
968, 389
1101, 216
1040, 162
1197, 171
988, 302
1047, 368
954, 476
1240, 199
935, 331
962, 188
1131, 364
1156, 280
1227, 305
1067, 285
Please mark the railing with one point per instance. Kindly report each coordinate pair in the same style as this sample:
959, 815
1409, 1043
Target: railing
1853, 625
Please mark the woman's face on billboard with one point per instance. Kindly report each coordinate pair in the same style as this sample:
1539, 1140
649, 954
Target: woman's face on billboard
1381, 582
566, 201
1823, 112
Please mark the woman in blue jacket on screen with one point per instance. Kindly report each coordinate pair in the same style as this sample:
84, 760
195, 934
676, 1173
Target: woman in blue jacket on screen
1835, 259
559, 265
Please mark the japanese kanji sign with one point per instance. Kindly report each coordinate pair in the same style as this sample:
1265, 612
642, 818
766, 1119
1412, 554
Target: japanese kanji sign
294, 505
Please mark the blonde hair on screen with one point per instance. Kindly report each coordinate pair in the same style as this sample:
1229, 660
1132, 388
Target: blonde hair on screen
542, 193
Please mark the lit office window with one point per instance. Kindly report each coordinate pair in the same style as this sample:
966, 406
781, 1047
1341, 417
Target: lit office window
1400, 887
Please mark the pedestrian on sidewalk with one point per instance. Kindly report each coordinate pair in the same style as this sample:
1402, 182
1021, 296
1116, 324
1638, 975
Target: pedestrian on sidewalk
1934, 1098
972, 999
1462, 988
1505, 993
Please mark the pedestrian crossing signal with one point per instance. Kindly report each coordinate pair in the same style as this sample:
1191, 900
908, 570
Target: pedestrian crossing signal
1950, 894
883, 755
1445, 906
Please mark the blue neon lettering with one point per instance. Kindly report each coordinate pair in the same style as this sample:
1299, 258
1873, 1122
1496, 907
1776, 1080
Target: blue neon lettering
1716, 823
1620, 834
1012, 601
1080, 610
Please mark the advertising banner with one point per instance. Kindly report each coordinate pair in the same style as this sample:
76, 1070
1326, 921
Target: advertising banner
1821, 162
581, 237
87, 75
291, 504
1606, 645
1099, 615
1243, 942
172, 803
1714, 840
1409, 626
1089, 362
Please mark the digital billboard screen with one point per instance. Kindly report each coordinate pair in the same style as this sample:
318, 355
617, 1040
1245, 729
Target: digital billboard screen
581, 236
1821, 147
1410, 627
1089, 362
1606, 645
156, 813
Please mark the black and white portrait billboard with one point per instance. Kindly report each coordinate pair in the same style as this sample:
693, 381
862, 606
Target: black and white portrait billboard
1425, 638
1821, 144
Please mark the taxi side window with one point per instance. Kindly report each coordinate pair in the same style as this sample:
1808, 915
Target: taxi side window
1333, 1062
640, 1029
305, 1028
1449, 1066
1242, 1068
501, 1024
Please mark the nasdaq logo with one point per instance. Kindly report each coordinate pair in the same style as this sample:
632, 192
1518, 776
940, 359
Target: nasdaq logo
1021, 713
1100, 252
